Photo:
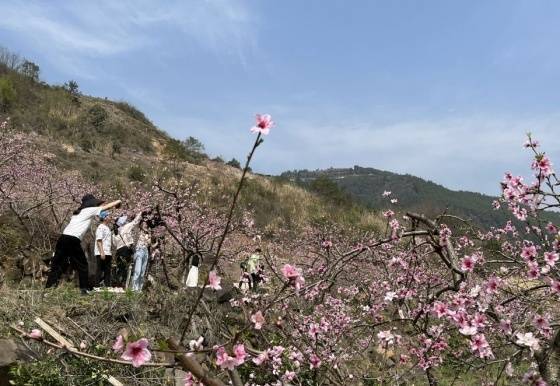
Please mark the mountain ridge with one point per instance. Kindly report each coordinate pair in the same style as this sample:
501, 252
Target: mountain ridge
366, 185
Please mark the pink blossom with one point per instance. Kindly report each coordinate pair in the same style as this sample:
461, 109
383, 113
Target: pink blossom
83, 345
224, 360
527, 340
313, 330
36, 334
440, 309
314, 361
388, 338
467, 264
288, 376
293, 275
258, 319
468, 329
137, 352
555, 286
505, 326
261, 358
264, 123
214, 281
189, 379
480, 346
551, 258
543, 165
529, 252
239, 352
119, 344
492, 284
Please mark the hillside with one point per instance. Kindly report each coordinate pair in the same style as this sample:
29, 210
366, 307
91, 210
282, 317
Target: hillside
113, 144
366, 185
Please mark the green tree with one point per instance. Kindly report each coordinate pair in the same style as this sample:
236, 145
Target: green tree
30, 70
235, 163
193, 145
7, 93
328, 189
72, 87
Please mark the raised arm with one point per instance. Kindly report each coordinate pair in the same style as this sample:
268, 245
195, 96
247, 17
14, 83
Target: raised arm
111, 205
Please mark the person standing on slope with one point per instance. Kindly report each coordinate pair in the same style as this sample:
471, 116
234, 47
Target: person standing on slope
102, 249
141, 256
192, 277
253, 267
68, 250
124, 244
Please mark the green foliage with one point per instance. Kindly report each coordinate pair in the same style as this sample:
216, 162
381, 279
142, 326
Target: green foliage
45, 373
97, 116
193, 145
29, 70
136, 173
132, 111
235, 163
366, 186
185, 150
329, 190
7, 93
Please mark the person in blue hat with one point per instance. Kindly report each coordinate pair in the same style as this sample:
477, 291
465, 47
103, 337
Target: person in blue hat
103, 249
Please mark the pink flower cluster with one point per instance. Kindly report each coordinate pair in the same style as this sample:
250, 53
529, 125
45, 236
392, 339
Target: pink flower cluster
230, 362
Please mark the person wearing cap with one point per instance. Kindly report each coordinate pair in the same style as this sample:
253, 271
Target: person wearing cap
102, 249
68, 250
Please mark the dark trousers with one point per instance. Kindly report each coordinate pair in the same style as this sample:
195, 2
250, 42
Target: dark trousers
123, 259
104, 270
68, 252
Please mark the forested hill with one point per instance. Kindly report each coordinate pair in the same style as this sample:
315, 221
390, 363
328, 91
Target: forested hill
366, 185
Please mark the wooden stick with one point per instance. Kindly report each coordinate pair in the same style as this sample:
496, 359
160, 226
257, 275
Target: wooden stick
112, 380
188, 363
51, 331
90, 356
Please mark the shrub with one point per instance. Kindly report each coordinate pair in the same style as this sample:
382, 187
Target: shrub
97, 116
235, 163
132, 111
7, 93
136, 173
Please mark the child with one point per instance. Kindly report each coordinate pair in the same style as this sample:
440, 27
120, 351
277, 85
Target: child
69, 250
102, 249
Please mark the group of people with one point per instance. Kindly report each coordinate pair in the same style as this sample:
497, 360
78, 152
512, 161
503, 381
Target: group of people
111, 235
130, 243
252, 271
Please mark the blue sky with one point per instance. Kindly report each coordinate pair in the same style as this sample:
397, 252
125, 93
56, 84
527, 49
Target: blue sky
444, 90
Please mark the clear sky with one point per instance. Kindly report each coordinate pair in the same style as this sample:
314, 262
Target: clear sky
444, 90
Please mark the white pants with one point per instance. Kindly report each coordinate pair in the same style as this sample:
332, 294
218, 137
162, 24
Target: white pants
192, 277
